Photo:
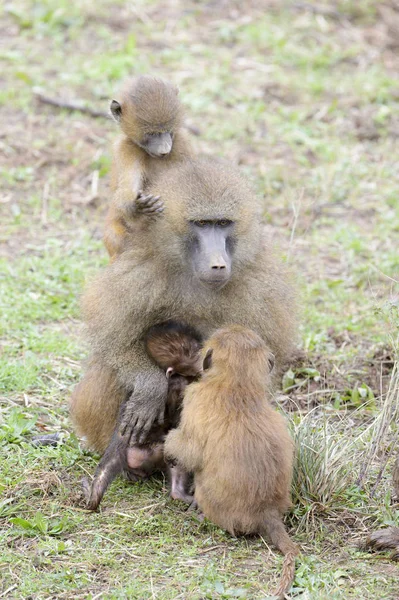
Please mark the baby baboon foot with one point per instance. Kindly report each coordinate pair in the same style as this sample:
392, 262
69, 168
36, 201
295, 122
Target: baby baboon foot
194, 508
149, 205
134, 475
177, 494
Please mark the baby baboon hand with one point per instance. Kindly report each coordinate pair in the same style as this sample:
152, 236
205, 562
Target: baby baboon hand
147, 204
141, 413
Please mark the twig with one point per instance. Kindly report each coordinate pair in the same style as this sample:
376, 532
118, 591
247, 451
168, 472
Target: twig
325, 11
73, 106
12, 587
295, 209
45, 196
210, 549
94, 186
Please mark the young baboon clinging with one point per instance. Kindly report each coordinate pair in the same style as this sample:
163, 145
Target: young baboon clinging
175, 347
236, 445
150, 116
208, 265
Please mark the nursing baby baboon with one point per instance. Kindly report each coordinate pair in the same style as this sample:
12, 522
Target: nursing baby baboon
236, 445
208, 264
175, 347
152, 139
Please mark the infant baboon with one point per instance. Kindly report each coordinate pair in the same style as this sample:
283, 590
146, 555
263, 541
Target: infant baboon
150, 116
235, 444
175, 347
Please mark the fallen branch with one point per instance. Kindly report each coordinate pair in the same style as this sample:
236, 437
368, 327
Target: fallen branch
73, 106
325, 11
79, 107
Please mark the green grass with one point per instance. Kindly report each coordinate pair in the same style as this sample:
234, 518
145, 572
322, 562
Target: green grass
304, 98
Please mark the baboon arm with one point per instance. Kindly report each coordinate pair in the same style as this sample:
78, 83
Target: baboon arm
127, 180
146, 405
127, 172
119, 307
184, 448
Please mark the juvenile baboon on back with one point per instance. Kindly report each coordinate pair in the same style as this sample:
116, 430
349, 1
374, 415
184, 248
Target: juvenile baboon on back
175, 347
208, 265
152, 139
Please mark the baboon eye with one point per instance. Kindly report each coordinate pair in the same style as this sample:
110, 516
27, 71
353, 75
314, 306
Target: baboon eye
223, 223
201, 223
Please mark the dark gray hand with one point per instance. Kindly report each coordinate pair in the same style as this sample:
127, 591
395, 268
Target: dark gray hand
145, 407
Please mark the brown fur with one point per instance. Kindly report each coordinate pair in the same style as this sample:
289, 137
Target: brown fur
236, 445
153, 283
388, 539
385, 539
175, 347
86, 405
149, 105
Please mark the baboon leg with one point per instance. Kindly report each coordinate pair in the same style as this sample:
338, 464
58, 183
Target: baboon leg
112, 464
95, 405
179, 484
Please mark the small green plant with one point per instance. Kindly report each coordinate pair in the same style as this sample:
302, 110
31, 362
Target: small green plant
298, 378
40, 525
361, 395
323, 469
15, 428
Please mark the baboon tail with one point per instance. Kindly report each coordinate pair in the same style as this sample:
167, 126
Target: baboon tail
287, 576
274, 528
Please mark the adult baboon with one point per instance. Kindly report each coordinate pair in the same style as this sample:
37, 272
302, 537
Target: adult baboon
207, 264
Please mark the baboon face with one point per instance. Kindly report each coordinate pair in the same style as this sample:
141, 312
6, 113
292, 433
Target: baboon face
210, 251
157, 144
149, 114
210, 229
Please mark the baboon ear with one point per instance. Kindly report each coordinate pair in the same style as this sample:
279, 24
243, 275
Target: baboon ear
207, 360
271, 361
116, 110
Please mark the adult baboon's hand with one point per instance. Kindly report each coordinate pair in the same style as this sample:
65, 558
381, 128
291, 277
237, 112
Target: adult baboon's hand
145, 407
